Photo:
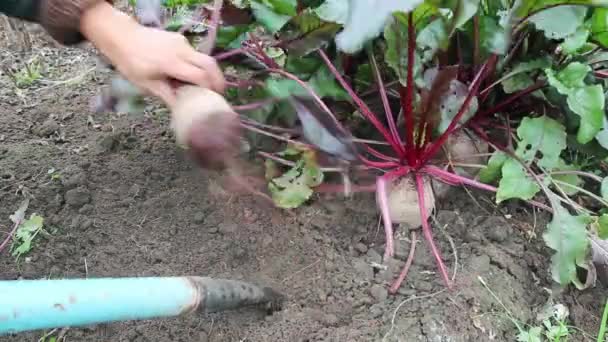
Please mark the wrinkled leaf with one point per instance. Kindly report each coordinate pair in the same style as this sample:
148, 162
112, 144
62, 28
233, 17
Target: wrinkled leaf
335, 11
544, 135
433, 37
572, 76
290, 197
293, 188
493, 37
532, 335
518, 78
367, 19
515, 182
516, 83
559, 22
588, 103
25, 234
567, 236
574, 42
493, 170
270, 19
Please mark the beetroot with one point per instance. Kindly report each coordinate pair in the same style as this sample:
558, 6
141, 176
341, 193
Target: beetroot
206, 124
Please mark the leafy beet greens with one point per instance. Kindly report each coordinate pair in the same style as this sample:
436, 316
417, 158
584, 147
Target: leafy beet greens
381, 86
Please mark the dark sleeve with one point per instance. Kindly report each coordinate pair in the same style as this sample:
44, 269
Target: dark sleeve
60, 18
20, 9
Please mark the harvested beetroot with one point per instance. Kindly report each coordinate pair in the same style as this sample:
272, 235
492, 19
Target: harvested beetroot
206, 124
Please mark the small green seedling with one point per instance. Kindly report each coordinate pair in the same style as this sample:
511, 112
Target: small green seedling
28, 75
54, 174
25, 234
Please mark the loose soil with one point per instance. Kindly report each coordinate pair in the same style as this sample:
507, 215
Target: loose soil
126, 201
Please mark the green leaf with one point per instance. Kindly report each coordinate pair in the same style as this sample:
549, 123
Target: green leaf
493, 170
572, 76
602, 225
572, 180
270, 19
432, 38
574, 42
312, 174
325, 85
277, 54
599, 26
567, 236
532, 335
322, 82
231, 36
396, 38
313, 40
534, 64
25, 234
290, 197
516, 83
364, 77
517, 78
302, 67
602, 138
515, 182
493, 37
283, 88
293, 188
285, 7
526, 6
335, 11
466, 10
559, 22
588, 103
366, 20
604, 189
307, 21
29, 227
544, 135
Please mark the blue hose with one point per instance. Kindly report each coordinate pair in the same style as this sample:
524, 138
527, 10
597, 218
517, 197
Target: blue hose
27, 305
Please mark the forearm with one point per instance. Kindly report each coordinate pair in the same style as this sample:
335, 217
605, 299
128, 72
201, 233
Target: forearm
105, 27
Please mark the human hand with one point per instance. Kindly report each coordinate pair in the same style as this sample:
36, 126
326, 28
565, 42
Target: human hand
149, 58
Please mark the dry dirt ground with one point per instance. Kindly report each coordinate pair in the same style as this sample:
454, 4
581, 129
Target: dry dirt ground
120, 199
